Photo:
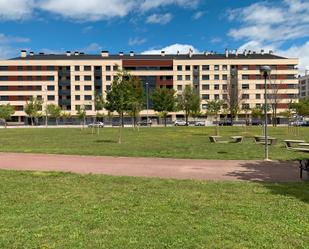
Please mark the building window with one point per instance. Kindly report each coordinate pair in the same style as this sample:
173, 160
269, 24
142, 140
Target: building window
257, 67
245, 76
108, 68
179, 87
115, 68
77, 78
108, 78
224, 67
204, 106
205, 67
87, 68
216, 77
245, 86
258, 86
224, 77
216, 87
258, 105
77, 68
88, 107
179, 77
224, 87
88, 97
188, 67
77, 88
245, 106
205, 87
245, 96
224, 96
257, 77
179, 68
245, 67
216, 67
87, 88
50, 88
292, 86
77, 97
4, 98
217, 96
188, 77
87, 78
108, 88
205, 77
258, 96
50, 97
205, 96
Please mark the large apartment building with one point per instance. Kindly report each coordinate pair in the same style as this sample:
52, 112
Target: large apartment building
69, 80
304, 86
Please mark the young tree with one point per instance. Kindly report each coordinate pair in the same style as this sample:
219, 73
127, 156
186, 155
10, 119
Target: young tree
233, 96
164, 101
117, 99
214, 107
81, 115
6, 112
53, 111
33, 108
98, 106
302, 107
188, 100
274, 98
246, 109
136, 98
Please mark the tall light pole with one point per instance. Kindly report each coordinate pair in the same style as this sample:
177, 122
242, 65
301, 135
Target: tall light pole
265, 70
147, 97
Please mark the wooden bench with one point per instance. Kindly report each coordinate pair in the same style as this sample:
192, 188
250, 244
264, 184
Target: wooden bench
261, 140
237, 139
218, 139
289, 143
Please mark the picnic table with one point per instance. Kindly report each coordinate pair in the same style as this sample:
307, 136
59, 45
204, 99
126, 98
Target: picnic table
289, 143
303, 164
218, 139
261, 140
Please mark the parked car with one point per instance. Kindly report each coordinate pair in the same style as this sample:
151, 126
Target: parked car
199, 123
96, 125
145, 123
225, 123
305, 123
180, 123
256, 122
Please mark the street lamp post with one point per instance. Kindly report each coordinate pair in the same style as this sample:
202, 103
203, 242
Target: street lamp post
147, 97
265, 70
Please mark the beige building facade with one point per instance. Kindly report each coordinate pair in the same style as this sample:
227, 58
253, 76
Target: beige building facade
70, 80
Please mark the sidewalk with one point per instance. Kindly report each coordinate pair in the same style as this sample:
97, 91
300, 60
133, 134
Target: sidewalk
218, 170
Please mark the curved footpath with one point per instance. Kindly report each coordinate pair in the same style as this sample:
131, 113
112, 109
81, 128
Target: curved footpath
274, 171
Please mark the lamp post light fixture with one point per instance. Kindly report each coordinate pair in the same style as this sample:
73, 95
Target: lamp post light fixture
265, 70
147, 104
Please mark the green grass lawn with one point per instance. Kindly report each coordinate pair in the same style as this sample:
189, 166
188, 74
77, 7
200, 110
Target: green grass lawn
173, 142
62, 210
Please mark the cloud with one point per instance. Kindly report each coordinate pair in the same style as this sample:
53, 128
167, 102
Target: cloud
136, 41
92, 47
159, 18
301, 52
87, 29
198, 15
173, 49
15, 10
9, 45
216, 40
152, 4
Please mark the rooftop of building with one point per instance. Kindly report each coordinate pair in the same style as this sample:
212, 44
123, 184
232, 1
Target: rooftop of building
131, 56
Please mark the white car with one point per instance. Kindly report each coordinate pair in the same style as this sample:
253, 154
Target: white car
199, 123
180, 123
96, 125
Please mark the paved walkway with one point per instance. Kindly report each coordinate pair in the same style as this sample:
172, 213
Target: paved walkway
275, 171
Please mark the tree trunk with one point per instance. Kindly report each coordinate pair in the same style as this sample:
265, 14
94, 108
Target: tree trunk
5, 124
119, 131
56, 121
31, 118
122, 121
165, 121
46, 121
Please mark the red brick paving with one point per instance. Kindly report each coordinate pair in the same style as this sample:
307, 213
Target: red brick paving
275, 171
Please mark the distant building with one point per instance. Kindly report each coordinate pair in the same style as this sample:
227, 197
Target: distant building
304, 86
70, 80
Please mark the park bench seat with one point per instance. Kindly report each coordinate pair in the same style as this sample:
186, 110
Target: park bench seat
261, 140
289, 143
218, 139
237, 139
